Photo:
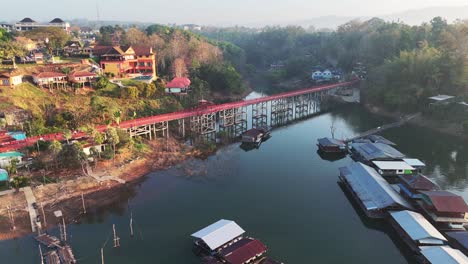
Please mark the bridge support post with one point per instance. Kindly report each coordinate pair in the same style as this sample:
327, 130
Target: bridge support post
281, 111
259, 115
301, 104
181, 127
204, 126
233, 121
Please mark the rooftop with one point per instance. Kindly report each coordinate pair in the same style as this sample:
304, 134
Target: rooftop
446, 202
441, 97
219, 233
27, 20
330, 142
393, 165
373, 191
50, 75
461, 237
243, 250
376, 151
443, 255
418, 228
380, 139
419, 182
178, 82
414, 162
57, 21
11, 154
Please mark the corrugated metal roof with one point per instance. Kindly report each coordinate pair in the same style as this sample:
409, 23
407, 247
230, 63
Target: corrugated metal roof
461, 237
414, 162
330, 142
243, 251
375, 151
371, 188
219, 233
447, 202
417, 227
419, 182
380, 139
393, 165
443, 255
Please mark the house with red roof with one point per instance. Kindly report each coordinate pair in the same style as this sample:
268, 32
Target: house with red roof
10, 79
82, 78
50, 79
445, 208
126, 61
178, 85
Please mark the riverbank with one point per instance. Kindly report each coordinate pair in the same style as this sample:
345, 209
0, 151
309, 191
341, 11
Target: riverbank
444, 127
67, 194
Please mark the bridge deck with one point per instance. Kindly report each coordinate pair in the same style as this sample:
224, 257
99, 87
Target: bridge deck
15, 145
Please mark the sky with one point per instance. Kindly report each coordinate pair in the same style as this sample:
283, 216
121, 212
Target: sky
209, 12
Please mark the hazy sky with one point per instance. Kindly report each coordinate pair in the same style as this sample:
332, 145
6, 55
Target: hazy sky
211, 12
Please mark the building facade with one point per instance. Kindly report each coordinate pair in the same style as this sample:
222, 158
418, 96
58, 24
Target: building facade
121, 61
28, 24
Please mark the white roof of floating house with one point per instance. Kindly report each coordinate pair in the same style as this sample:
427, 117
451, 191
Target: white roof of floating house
219, 233
441, 97
443, 255
418, 228
392, 165
371, 188
414, 162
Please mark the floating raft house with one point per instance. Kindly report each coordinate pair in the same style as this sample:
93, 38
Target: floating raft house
415, 230
374, 195
443, 255
218, 234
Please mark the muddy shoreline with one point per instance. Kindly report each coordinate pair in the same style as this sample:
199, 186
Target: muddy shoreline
67, 196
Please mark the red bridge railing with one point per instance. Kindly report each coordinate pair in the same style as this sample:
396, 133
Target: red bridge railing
18, 144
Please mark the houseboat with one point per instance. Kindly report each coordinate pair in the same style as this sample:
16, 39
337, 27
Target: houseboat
442, 255
368, 152
374, 195
447, 210
458, 240
212, 238
223, 242
253, 136
393, 168
415, 230
411, 186
331, 145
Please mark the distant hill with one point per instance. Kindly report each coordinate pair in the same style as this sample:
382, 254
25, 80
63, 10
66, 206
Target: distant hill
411, 17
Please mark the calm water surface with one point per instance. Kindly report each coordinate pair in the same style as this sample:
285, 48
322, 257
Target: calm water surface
283, 194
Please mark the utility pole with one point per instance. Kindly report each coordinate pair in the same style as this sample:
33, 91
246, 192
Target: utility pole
84, 206
131, 224
116, 238
12, 219
43, 215
40, 253
63, 230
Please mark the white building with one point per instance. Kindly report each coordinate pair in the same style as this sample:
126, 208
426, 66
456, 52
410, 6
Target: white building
28, 24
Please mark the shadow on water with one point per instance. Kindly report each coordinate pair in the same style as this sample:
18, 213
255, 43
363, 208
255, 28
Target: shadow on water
380, 225
331, 156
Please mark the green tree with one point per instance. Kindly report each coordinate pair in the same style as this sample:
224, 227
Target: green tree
19, 182
113, 138
11, 50
67, 134
56, 147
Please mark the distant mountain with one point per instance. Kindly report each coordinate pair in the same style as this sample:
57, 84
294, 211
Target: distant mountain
411, 17
418, 16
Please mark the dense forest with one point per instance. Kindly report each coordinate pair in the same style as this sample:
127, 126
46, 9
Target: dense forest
405, 64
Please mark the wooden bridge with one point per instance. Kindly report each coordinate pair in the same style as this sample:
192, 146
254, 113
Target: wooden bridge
205, 121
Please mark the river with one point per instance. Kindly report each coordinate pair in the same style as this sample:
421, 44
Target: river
283, 193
